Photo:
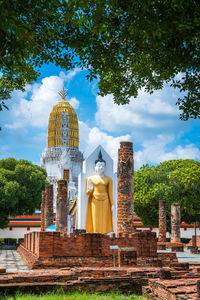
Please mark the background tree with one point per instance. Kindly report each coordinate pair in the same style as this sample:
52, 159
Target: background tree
143, 44
175, 181
30, 37
129, 45
21, 184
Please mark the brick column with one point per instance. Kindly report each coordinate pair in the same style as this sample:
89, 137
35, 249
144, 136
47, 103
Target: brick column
198, 289
25, 240
48, 210
29, 242
175, 223
33, 242
162, 221
42, 210
125, 174
62, 207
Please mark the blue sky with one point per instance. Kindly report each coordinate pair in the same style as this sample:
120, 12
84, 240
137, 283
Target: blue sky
151, 122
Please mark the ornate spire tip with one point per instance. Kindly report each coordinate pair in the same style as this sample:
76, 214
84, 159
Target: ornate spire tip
63, 93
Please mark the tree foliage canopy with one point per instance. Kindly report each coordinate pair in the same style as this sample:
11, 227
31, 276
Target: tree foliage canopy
175, 181
129, 45
28, 38
21, 184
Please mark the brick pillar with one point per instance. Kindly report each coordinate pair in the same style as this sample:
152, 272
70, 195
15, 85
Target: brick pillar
62, 207
42, 210
25, 241
48, 210
29, 241
162, 221
125, 174
33, 242
198, 289
175, 223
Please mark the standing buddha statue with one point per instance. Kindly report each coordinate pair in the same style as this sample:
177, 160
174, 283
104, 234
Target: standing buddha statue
100, 200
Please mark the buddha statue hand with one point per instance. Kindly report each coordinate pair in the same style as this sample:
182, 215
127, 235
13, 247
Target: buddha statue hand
91, 186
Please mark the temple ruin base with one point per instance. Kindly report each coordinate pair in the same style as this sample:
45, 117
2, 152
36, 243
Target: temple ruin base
51, 250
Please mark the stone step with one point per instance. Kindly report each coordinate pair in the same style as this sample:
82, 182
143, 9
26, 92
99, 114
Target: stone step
185, 288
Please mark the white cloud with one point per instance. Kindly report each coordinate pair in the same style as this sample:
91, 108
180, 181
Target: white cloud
35, 112
93, 137
179, 76
150, 121
68, 77
153, 122
162, 149
74, 102
189, 151
153, 151
147, 112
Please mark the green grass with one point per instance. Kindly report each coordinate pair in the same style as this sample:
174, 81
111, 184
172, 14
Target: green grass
73, 296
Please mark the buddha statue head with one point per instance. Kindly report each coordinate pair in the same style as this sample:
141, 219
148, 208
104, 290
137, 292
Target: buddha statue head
100, 165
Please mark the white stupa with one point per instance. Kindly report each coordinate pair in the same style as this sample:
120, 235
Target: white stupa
62, 158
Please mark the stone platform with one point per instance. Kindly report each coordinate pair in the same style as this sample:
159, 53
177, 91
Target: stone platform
53, 250
86, 263
182, 284
133, 279
82, 279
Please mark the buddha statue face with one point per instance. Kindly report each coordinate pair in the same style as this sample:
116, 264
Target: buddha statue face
100, 167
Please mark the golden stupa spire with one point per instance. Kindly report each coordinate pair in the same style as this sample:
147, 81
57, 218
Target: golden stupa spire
63, 93
63, 124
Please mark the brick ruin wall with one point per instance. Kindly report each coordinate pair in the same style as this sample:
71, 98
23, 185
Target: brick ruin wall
52, 249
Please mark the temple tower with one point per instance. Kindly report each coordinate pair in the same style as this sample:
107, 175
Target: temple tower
62, 158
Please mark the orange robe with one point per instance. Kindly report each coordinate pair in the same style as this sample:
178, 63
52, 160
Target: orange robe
100, 201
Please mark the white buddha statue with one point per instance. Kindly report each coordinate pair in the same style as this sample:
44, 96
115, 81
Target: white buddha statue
100, 200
